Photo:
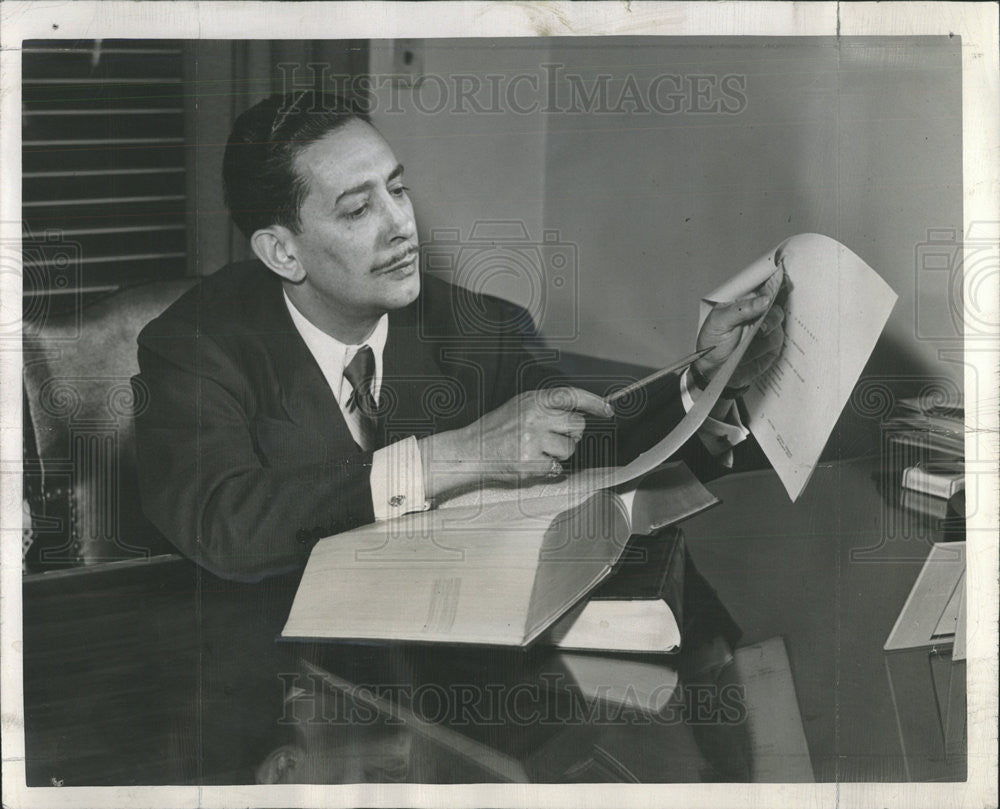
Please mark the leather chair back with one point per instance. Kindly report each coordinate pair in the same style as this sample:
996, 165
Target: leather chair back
81, 407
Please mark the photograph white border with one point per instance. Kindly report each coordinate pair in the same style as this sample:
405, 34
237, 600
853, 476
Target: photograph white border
975, 23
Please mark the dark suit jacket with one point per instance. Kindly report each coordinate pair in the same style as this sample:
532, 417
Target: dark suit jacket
244, 456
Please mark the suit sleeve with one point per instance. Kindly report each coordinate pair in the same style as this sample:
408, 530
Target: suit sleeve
204, 486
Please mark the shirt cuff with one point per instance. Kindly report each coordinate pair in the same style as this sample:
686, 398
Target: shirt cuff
719, 437
397, 480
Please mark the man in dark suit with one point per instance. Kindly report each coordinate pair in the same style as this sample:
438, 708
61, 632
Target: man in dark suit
328, 384
255, 442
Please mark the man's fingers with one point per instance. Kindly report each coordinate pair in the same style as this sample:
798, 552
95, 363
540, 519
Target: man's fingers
757, 366
775, 317
771, 286
737, 313
558, 446
763, 352
743, 311
763, 295
765, 343
567, 423
576, 399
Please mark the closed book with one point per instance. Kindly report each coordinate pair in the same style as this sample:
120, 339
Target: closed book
637, 609
936, 479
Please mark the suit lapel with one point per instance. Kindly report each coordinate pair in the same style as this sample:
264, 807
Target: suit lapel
416, 394
410, 375
305, 396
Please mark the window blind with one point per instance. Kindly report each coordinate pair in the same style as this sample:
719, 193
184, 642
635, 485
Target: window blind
103, 185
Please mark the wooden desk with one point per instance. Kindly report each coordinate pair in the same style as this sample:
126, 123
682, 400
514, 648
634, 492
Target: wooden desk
111, 656
110, 659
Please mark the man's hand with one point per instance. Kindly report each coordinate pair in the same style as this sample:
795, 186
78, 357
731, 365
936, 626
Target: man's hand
530, 431
528, 437
724, 326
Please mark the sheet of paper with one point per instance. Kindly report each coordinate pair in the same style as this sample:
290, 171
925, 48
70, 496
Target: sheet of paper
835, 312
777, 737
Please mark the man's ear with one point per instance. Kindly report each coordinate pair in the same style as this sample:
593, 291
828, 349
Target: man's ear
280, 765
273, 246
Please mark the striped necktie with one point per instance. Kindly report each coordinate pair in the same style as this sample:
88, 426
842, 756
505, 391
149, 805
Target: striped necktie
360, 372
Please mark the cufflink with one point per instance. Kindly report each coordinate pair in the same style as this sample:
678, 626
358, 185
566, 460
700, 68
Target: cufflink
397, 500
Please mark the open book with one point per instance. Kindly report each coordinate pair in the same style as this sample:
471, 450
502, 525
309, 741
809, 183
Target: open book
496, 572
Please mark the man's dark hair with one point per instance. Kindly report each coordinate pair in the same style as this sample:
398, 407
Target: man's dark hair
258, 172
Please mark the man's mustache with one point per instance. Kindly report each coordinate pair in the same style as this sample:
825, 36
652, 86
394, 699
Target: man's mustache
403, 256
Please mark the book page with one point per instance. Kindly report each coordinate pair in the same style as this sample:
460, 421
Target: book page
834, 314
666, 496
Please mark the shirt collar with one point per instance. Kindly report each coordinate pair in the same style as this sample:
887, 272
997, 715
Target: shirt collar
332, 355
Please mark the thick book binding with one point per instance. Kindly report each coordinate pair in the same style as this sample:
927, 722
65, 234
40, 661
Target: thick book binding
938, 480
636, 609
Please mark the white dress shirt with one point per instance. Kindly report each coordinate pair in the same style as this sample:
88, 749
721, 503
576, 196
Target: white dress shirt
397, 476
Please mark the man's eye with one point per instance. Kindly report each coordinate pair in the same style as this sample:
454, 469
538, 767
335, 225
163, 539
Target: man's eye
399, 190
357, 213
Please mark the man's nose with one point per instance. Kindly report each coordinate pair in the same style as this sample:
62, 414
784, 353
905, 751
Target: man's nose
400, 222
